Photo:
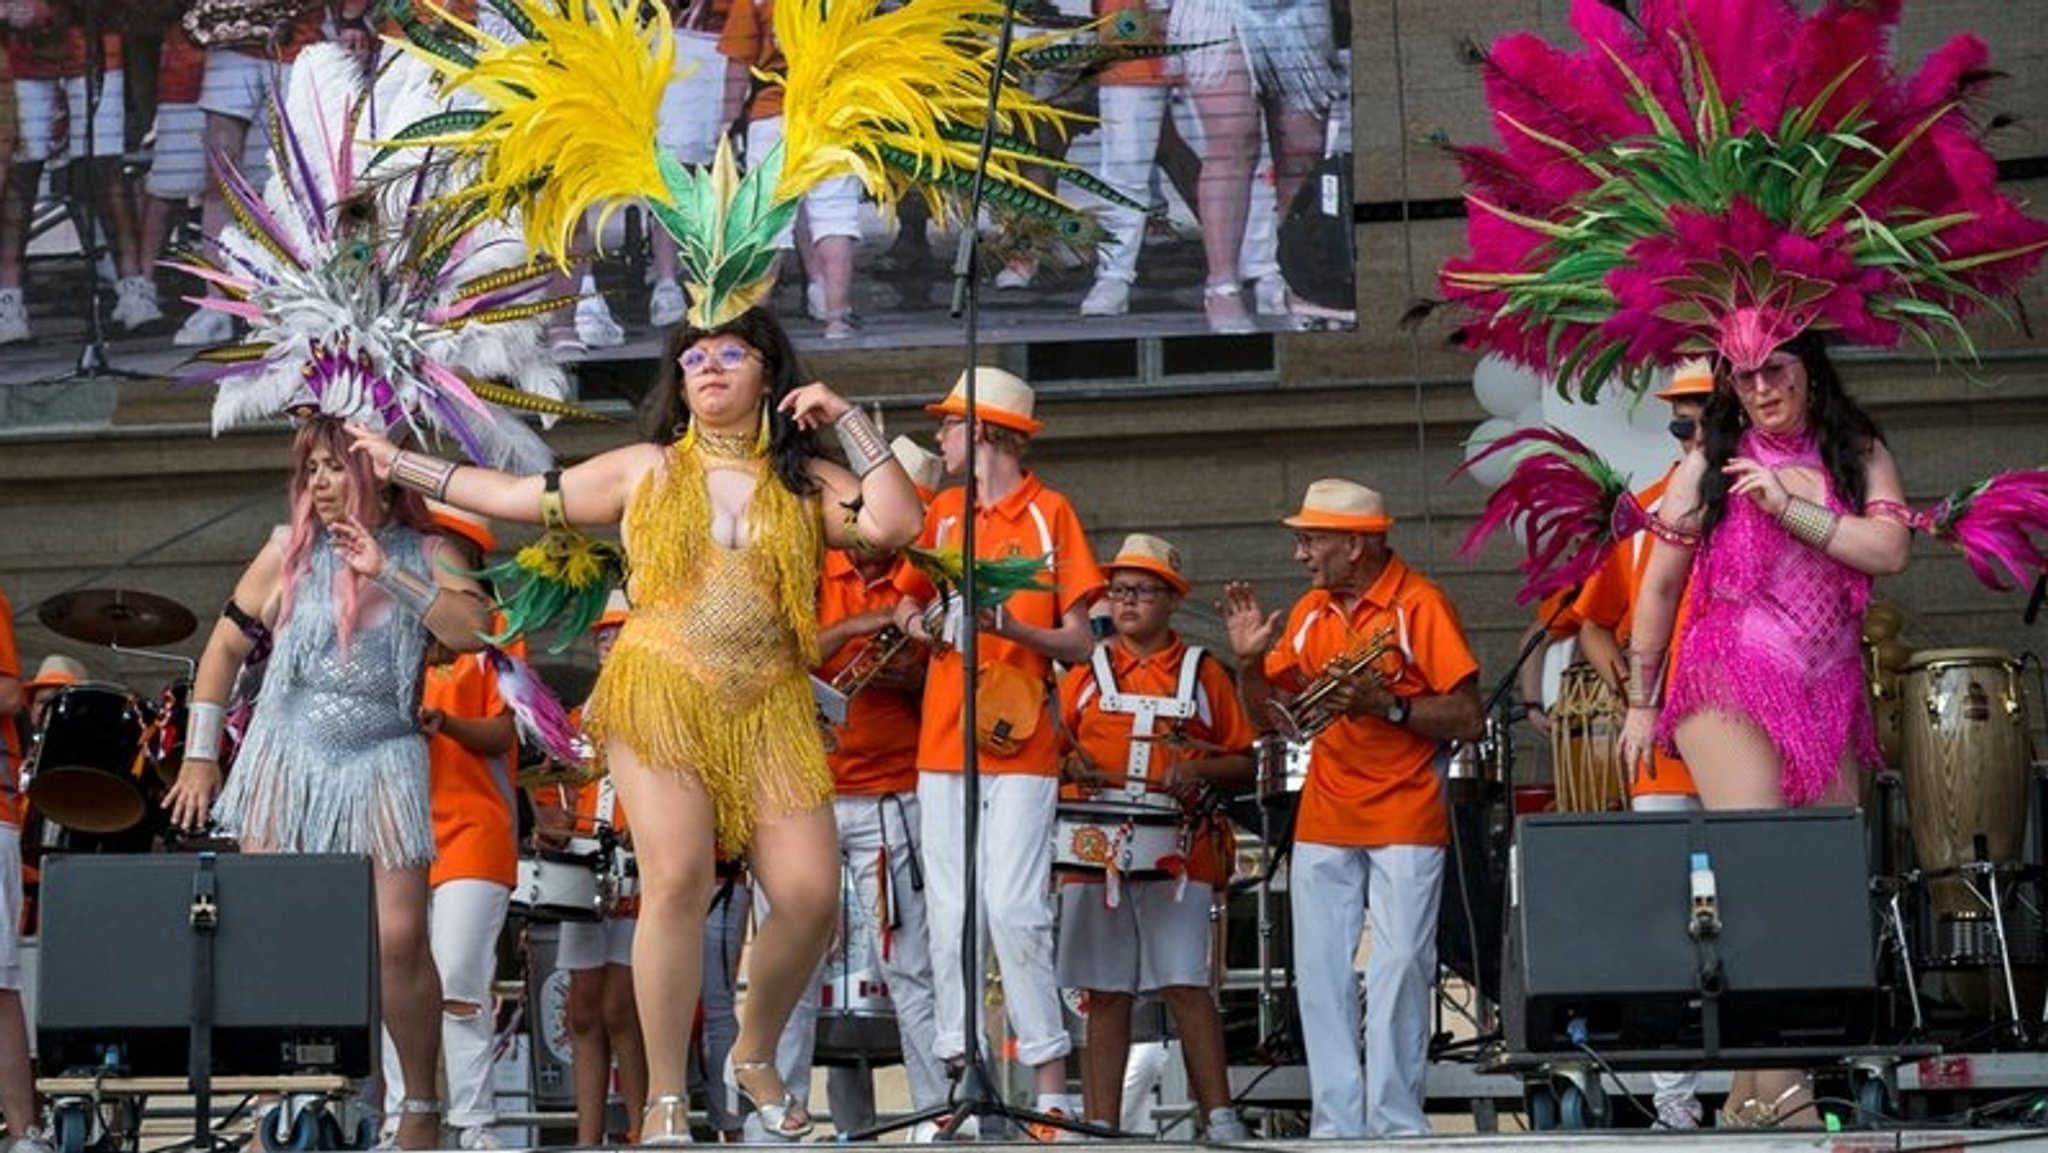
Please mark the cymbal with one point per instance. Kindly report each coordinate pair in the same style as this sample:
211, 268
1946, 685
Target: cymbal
117, 617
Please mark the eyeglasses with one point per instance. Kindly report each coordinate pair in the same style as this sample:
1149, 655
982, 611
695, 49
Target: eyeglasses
1141, 593
729, 357
1313, 540
1773, 374
1684, 427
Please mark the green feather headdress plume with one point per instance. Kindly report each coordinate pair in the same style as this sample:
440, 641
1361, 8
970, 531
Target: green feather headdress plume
996, 579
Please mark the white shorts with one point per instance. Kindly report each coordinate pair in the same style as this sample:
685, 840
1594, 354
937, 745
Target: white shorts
832, 208
1148, 942
39, 103
239, 85
692, 106
593, 945
177, 166
10, 906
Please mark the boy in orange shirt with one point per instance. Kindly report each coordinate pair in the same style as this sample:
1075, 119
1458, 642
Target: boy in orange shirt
471, 742
1015, 515
1151, 934
1372, 825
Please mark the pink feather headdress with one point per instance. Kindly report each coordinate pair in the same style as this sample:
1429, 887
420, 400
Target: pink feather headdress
1676, 188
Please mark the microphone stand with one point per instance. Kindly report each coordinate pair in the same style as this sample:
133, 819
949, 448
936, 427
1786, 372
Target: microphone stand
975, 1094
93, 363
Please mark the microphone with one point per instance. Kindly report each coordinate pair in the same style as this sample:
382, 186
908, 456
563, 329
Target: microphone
2034, 602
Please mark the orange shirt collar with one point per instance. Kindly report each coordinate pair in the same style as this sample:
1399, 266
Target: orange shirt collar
1379, 596
839, 569
1013, 506
1122, 660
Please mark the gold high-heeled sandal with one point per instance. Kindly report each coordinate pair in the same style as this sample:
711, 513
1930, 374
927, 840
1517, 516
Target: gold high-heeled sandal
775, 1115
673, 1111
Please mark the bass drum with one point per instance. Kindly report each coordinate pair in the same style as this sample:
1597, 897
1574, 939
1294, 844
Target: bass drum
91, 770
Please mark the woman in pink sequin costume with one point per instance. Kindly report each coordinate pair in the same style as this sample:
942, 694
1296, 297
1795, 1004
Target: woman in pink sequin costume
1781, 519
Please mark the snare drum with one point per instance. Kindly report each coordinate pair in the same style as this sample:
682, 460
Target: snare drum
1585, 745
1282, 766
91, 773
561, 884
1142, 841
856, 1016
1963, 725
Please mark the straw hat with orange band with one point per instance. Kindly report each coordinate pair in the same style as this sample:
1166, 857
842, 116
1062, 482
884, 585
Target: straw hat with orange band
1152, 555
1337, 505
1000, 398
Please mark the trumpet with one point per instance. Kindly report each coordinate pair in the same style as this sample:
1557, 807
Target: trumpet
880, 654
1308, 714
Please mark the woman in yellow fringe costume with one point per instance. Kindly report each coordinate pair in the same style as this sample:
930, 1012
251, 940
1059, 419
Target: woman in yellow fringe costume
703, 713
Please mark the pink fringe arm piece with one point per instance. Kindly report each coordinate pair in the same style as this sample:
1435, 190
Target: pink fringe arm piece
1569, 507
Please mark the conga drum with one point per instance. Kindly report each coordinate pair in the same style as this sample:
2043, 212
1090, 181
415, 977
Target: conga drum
1585, 753
1963, 726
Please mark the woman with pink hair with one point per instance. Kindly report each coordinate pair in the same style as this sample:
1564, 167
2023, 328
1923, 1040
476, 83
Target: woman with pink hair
342, 602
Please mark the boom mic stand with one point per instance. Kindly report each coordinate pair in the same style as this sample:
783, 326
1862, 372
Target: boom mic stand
975, 1094
93, 363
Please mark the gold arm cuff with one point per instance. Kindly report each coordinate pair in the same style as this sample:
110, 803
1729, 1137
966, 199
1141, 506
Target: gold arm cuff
861, 441
1809, 522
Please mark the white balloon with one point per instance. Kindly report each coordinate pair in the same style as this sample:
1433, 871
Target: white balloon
1531, 415
1626, 430
1503, 387
1492, 471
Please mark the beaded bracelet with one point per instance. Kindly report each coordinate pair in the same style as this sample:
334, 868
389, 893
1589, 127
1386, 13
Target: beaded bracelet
1646, 678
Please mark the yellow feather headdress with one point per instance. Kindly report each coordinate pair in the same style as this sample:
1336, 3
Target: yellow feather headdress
897, 99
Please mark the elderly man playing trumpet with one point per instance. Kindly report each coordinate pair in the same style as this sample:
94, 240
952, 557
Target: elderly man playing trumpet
1373, 664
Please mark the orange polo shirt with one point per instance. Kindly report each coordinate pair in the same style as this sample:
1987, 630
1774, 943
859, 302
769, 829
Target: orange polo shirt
475, 836
1372, 782
877, 746
1106, 737
1609, 600
1032, 521
10, 743
749, 39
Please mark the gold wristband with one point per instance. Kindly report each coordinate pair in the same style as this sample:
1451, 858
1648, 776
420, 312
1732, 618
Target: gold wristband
1646, 678
422, 473
1809, 522
408, 588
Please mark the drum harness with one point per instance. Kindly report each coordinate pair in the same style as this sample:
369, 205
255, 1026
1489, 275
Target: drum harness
1144, 711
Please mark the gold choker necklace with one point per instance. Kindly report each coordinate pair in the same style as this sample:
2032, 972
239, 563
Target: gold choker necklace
725, 445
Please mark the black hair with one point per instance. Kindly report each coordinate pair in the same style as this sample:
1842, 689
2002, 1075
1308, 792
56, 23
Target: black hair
1846, 434
664, 415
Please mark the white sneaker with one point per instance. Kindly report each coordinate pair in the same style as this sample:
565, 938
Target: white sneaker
477, 1137
595, 326
1683, 1113
1107, 298
1225, 1125
666, 304
1269, 295
13, 317
204, 328
135, 303
1018, 273
814, 301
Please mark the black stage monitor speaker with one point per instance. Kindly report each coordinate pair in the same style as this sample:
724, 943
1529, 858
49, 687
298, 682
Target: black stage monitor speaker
294, 964
1599, 949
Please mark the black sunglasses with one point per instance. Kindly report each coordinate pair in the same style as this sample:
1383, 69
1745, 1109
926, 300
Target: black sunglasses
1684, 427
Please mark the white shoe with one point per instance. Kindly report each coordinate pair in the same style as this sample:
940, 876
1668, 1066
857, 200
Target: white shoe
1226, 1126
814, 301
477, 1137
1269, 295
205, 328
666, 304
1684, 1113
135, 303
1107, 298
595, 326
1017, 274
13, 317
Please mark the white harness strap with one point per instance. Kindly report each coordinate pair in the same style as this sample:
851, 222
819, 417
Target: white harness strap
1144, 710
607, 801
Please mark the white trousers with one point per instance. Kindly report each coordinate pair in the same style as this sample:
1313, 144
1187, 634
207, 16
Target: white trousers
869, 827
1016, 905
463, 920
1332, 891
1133, 116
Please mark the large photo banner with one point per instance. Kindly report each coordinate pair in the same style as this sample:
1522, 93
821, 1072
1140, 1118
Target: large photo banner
1237, 137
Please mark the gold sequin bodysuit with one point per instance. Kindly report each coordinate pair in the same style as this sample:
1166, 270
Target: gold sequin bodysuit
710, 674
